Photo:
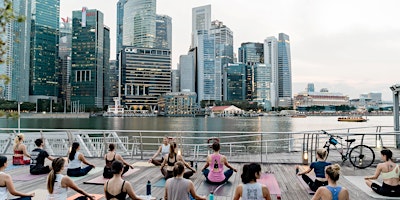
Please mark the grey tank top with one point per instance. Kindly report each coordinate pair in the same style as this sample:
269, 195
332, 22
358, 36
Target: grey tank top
178, 189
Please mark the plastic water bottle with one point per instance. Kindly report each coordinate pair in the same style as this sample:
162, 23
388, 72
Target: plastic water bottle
211, 197
148, 188
195, 165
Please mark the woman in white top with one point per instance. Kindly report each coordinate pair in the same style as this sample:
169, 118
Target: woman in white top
58, 184
250, 189
163, 149
6, 183
75, 160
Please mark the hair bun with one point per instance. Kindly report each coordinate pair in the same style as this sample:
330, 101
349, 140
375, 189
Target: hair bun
336, 167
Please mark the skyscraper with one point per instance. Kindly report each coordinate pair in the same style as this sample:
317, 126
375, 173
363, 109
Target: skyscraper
18, 54
163, 32
262, 85
44, 49
64, 53
88, 57
120, 24
235, 82
201, 22
110, 82
284, 71
187, 70
139, 23
271, 58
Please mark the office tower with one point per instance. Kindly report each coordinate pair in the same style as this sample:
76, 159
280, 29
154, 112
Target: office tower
175, 79
251, 52
163, 32
64, 53
110, 82
201, 22
120, 24
187, 69
284, 71
17, 63
262, 85
88, 57
310, 87
271, 58
44, 50
146, 76
235, 82
139, 27
106, 61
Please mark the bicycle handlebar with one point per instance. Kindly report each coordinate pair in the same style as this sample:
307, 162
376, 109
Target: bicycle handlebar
324, 132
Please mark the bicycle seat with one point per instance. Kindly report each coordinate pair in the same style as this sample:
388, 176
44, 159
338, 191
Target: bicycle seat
351, 140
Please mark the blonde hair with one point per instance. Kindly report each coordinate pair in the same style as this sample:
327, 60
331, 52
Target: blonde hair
18, 139
321, 153
333, 171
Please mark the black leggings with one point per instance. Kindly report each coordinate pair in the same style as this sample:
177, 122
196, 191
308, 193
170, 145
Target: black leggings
314, 185
386, 190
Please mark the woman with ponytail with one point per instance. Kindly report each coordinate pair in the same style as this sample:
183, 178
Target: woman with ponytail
332, 191
75, 160
250, 189
20, 151
110, 157
319, 170
179, 188
58, 184
117, 188
7, 185
167, 166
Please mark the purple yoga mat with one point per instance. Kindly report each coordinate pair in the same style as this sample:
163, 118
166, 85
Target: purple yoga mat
27, 177
270, 181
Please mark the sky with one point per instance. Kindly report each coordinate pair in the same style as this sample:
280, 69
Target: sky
351, 47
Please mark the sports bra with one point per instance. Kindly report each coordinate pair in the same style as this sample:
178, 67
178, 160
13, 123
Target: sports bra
391, 174
109, 162
120, 196
171, 163
3, 190
335, 191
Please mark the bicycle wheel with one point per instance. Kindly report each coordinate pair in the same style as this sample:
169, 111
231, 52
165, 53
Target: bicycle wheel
361, 156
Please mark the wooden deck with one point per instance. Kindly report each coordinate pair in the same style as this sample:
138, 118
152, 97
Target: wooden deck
284, 173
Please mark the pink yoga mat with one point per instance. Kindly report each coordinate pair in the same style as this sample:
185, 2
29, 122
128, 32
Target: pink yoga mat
27, 177
270, 181
100, 180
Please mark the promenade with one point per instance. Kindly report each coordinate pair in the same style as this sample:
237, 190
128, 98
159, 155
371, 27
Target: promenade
289, 184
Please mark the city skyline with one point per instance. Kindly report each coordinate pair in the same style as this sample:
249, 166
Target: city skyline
347, 47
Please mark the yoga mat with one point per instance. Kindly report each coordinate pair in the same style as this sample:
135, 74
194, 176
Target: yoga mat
40, 194
225, 189
272, 184
27, 177
96, 196
11, 167
146, 197
143, 164
100, 180
93, 171
305, 186
359, 182
160, 183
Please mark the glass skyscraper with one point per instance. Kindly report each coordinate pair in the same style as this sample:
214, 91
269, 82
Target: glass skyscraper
271, 58
262, 85
139, 27
120, 23
284, 71
163, 32
44, 49
235, 82
64, 53
88, 57
201, 22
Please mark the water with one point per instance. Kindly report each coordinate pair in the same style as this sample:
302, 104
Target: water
257, 124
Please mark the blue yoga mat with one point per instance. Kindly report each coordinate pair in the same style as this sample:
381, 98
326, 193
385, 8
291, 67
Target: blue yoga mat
11, 167
160, 183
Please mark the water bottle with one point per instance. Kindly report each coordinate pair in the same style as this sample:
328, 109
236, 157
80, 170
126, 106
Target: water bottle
195, 165
211, 196
148, 188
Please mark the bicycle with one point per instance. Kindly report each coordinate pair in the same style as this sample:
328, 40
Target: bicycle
360, 156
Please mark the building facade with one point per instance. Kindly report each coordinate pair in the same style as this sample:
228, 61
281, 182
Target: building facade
284, 71
139, 23
187, 70
44, 50
308, 99
163, 32
201, 22
64, 53
88, 57
120, 24
179, 104
235, 82
262, 85
271, 58
146, 75
110, 82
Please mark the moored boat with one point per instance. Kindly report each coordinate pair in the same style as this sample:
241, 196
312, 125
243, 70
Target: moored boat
352, 119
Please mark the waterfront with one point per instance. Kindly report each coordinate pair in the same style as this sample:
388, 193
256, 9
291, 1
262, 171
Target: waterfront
253, 124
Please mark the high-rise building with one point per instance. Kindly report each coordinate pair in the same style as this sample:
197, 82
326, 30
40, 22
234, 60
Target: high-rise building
146, 75
201, 22
175, 80
110, 82
310, 87
187, 69
106, 61
235, 82
17, 63
139, 23
262, 85
271, 58
120, 24
44, 49
88, 57
163, 32
64, 53
251, 52
284, 71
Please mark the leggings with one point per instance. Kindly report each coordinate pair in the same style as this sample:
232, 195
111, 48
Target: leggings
169, 174
314, 185
79, 171
386, 190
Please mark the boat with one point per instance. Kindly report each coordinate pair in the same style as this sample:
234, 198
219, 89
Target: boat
299, 116
352, 119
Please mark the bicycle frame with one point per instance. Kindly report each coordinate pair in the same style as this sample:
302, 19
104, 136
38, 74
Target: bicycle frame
332, 141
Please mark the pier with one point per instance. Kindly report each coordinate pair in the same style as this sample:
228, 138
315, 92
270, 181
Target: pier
277, 154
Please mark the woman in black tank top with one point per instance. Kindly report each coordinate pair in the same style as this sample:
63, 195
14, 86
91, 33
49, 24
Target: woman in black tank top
116, 188
109, 158
167, 166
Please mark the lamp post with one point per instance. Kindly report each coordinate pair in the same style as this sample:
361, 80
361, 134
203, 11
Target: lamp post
396, 91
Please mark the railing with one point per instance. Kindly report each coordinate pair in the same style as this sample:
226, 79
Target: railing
271, 147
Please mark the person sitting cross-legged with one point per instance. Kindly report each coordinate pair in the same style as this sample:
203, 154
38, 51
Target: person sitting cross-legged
38, 156
250, 189
332, 191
